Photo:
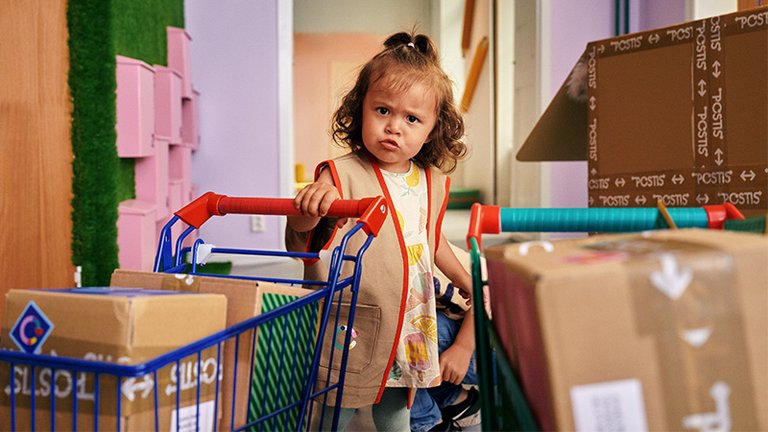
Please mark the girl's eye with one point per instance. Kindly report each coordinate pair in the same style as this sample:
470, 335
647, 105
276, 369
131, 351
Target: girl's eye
412, 119
382, 110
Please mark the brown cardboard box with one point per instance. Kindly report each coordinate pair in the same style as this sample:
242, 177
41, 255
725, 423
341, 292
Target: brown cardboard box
127, 326
678, 114
659, 331
245, 299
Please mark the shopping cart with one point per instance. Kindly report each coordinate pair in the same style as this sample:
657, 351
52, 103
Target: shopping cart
503, 402
285, 385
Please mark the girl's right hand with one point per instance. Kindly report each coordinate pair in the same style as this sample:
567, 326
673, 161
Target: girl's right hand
315, 199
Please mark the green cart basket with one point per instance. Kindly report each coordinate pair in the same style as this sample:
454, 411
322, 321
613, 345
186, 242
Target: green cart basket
503, 402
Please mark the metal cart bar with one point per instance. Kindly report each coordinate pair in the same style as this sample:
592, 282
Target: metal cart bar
503, 402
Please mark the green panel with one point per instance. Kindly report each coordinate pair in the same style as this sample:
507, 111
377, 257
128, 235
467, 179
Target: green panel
98, 30
95, 166
139, 27
288, 341
463, 198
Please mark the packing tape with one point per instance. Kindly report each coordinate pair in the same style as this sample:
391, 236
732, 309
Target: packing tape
686, 301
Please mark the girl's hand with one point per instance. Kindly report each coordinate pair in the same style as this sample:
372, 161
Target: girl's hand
313, 202
315, 199
454, 363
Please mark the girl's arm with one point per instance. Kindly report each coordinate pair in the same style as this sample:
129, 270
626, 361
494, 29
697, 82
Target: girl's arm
451, 267
454, 361
314, 201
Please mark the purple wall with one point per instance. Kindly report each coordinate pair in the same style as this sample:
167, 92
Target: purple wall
573, 25
234, 55
234, 66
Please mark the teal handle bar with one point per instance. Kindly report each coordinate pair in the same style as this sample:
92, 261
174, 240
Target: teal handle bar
486, 219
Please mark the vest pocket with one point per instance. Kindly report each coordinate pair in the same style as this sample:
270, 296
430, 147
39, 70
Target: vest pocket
365, 333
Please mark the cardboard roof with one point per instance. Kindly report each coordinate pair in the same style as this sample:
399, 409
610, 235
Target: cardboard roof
561, 132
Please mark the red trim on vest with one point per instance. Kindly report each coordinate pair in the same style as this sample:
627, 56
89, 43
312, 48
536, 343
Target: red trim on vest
443, 207
428, 173
335, 175
404, 294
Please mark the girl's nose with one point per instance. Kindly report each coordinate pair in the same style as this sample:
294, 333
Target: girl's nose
392, 127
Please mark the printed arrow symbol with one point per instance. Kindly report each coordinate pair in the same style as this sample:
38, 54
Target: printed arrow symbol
718, 157
744, 176
594, 171
702, 87
591, 201
601, 48
702, 199
640, 199
592, 103
620, 182
131, 386
716, 68
678, 179
672, 280
653, 38
696, 337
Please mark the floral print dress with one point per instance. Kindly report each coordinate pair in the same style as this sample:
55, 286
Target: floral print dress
416, 361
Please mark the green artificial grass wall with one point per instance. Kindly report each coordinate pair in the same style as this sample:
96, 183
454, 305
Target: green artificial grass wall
99, 30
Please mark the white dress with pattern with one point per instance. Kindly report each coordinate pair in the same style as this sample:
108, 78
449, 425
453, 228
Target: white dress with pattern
416, 361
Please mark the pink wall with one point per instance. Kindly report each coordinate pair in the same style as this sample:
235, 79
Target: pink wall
314, 55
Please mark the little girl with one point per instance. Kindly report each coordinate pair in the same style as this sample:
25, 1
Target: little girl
404, 132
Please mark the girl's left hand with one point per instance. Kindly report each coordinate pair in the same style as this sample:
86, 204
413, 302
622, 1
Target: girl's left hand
454, 363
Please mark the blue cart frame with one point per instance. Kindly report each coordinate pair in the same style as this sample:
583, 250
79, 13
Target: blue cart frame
293, 409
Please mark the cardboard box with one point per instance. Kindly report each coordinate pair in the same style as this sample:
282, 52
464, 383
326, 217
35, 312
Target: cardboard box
245, 299
678, 114
658, 331
127, 326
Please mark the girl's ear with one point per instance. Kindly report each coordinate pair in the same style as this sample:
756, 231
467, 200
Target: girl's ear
433, 135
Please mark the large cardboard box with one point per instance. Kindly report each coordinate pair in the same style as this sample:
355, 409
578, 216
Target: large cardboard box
678, 114
658, 331
245, 299
125, 326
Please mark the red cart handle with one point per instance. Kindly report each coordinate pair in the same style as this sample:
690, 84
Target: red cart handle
371, 212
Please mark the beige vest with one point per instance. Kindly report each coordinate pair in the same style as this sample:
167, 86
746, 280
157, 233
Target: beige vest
384, 282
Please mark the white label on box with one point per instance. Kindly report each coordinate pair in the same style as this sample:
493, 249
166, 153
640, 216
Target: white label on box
609, 406
188, 418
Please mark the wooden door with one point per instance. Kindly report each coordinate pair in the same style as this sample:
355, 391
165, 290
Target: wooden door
35, 147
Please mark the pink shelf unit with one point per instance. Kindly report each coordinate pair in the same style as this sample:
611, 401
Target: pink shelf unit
190, 135
152, 179
176, 200
178, 42
136, 235
180, 168
167, 104
135, 108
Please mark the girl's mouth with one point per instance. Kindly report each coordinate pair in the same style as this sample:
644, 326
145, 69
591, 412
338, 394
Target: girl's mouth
389, 145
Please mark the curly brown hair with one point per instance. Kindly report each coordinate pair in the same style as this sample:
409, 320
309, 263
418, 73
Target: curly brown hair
405, 59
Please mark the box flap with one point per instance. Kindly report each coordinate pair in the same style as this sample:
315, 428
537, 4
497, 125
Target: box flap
561, 132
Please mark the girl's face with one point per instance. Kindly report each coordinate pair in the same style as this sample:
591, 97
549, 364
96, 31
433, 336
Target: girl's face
397, 123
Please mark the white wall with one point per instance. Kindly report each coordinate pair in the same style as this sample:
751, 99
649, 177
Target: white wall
361, 16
